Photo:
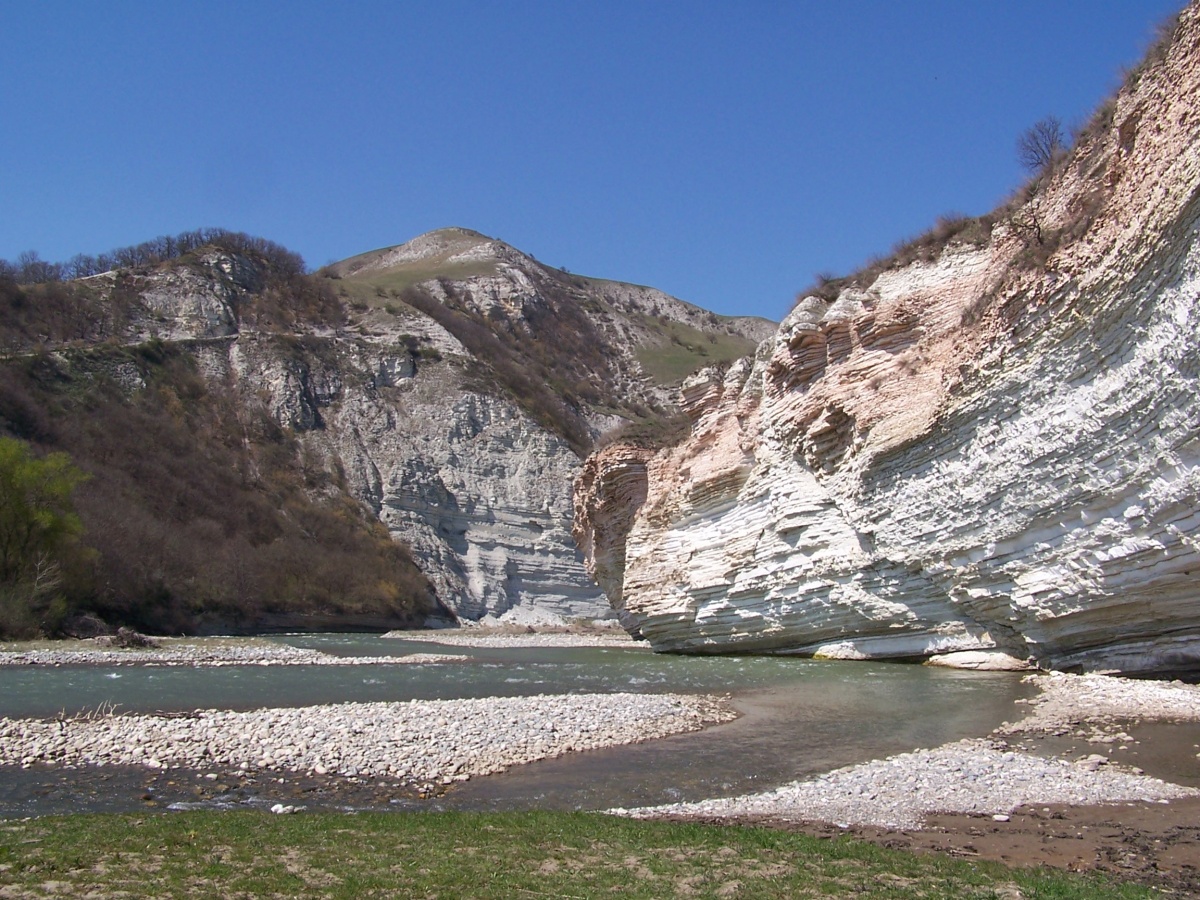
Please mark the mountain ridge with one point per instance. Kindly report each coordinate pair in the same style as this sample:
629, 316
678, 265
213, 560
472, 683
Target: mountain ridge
450, 411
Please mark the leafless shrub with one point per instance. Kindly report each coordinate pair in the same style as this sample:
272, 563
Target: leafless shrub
1040, 145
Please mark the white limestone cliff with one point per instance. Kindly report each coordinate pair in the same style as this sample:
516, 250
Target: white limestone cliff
479, 491
380, 400
995, 450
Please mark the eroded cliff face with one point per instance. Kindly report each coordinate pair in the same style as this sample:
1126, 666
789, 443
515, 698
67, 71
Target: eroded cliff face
478, 491
449, 384
995, 450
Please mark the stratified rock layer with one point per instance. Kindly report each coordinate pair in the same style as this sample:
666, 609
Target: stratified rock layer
993, 449
451, 384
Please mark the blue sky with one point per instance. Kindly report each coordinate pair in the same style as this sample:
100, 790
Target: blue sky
723, 152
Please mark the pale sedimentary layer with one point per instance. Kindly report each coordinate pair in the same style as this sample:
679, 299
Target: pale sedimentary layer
418, 742
619, 641
979, 776
997, 448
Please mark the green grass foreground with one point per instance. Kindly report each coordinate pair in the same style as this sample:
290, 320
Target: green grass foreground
451, 855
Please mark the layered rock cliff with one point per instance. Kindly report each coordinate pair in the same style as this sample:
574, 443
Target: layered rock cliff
449, 384
991, 449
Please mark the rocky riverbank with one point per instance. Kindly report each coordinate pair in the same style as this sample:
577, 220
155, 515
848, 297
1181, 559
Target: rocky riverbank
199, 652
420, 744
983, 777
970, 776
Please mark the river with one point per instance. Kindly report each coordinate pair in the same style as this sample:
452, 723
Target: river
799, 717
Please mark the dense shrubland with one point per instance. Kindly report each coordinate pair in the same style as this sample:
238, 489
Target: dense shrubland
30, 268
200, 513
52, 312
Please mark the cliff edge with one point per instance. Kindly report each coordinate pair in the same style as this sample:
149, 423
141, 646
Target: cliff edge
993, 447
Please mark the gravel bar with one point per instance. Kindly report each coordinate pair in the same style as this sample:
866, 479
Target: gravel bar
969, 776
230, 654
980, 776
420, 742
1069, 701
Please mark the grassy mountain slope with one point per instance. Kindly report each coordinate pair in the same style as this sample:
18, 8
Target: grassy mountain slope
569, 348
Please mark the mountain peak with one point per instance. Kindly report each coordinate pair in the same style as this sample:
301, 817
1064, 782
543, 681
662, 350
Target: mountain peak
443, 247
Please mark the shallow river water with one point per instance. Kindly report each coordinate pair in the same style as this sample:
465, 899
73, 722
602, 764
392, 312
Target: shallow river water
799, 717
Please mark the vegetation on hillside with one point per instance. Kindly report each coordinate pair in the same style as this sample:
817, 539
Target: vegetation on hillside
38, 531
678, 349
52, 313
30, 268
552, 357
201, 511
1044, 150
552, 362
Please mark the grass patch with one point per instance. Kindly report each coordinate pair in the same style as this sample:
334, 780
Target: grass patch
539, 854
680, 350
378, 287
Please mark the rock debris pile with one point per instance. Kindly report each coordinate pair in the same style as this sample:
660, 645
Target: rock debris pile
421, 742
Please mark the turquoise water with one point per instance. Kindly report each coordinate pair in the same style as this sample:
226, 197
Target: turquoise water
798, 716
41, 691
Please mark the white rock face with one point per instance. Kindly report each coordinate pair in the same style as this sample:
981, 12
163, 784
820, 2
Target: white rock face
480, 492
392, 408
975, 453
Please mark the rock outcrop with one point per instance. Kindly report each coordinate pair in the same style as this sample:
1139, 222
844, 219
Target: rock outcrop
475, 483
450, 384
993, 449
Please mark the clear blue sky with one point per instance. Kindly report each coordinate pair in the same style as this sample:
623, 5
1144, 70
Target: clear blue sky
724, 152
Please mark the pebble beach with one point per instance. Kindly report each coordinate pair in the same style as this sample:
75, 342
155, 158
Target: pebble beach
982, 776
206, 653
420, 743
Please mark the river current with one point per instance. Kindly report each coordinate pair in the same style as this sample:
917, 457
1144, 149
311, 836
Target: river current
799, 717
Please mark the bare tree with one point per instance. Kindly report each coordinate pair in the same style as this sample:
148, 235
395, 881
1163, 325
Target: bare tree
32, 269
1041, 144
